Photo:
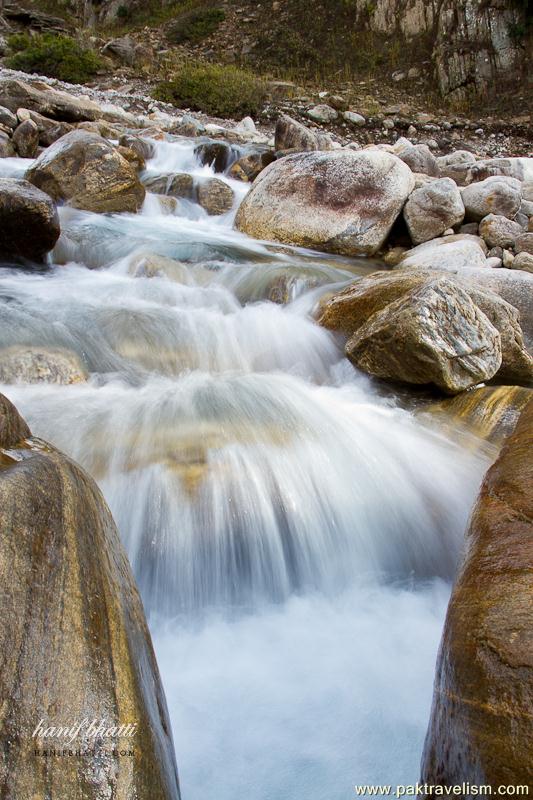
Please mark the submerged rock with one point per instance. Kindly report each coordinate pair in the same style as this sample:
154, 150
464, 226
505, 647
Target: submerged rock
84, 170
341, 202
434, 335
20, 364
480, 728
74, 637
25, 209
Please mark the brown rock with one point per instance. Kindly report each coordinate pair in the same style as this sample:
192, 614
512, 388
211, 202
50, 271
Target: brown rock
480, 729
6, 146
24, 208
215, 196
179, 185
434, 335
248, 167
26, 139
84, 170
74, 640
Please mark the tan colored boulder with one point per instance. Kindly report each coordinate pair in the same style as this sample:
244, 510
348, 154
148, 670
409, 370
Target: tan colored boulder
448, 252
25, 209
292, 135
40, 97
6, 146
480, 729
434, 335
248, 167
498, 231
85, 171
523, 261
215, 196
74, 638
26, 139
347, 311
20, 364
340, 202
497, 195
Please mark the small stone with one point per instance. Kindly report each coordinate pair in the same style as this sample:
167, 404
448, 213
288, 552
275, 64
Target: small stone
507, 259
322, 113
493, 263
388, 124
354, 118
523, 261
524, 243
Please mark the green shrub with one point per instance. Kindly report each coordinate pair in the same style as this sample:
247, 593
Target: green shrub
224, 91
195, 25
123, 12
54, 55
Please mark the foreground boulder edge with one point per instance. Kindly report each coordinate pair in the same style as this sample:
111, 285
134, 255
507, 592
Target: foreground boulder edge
74, 638
87, 172
25, 208
480, 729
340, 202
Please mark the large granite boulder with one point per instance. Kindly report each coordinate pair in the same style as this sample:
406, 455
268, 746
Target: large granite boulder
498, 231
292, 135
435, 335
480, 729
29, 223
448, 252
341, 202
74, 640
15, 94
87, 172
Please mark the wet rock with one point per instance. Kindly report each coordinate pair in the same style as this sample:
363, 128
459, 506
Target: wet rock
433, 209
499, 231
20, 364
215, 196
214, 154
142, 147
133, 157
449, 252
84, 170
490, 412
24, 208
435, 335
74, 637
26, 139
347, 311
342, 202
248, 167
6, 146
419, 158
180, 184
292, 135
485, 664
496, 195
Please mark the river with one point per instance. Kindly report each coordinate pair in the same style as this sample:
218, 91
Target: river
293, 529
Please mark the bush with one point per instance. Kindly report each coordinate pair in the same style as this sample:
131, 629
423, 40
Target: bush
223, 91
54, 55
195, 25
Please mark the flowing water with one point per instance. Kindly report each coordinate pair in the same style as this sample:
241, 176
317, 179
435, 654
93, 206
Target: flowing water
293, 532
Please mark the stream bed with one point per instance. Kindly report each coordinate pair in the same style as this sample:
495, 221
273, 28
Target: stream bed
294, 532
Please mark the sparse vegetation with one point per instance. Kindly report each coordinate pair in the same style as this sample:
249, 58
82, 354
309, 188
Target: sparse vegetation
54, 55
224, 91
195, 25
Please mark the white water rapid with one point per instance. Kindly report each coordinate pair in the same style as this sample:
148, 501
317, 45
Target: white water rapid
293, 532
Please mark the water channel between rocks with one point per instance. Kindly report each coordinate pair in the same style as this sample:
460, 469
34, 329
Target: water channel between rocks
293, 532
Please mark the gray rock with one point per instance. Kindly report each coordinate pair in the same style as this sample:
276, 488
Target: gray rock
420, 159
498, 195
499, 231
432, 209
524, 243
322, 113
354, 118
292, 135
6, 146
341, 202
448, 253
20, 364
7, 118
189, 126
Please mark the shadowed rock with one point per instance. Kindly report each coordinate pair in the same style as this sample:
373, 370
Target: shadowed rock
24, 208
74, 641
480, 729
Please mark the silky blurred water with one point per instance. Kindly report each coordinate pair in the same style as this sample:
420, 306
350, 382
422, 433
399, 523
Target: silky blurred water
293, 533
